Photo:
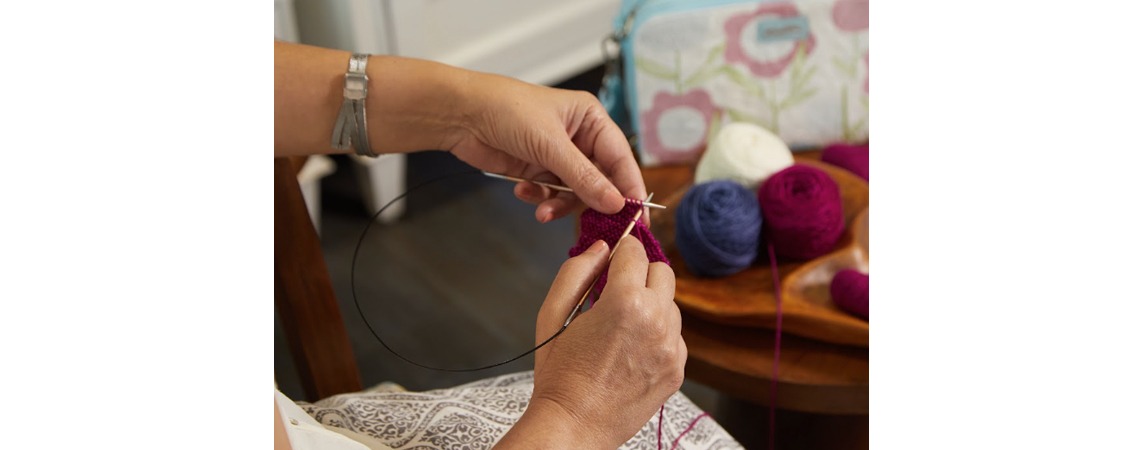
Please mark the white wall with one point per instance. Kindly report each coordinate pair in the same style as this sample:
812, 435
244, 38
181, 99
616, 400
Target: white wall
539, 41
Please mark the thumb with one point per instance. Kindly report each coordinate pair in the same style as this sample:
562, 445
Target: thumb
589, 184
572, 281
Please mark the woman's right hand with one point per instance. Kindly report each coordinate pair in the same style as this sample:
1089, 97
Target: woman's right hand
616, 364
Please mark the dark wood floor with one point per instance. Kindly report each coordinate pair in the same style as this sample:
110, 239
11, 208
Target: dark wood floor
456, 282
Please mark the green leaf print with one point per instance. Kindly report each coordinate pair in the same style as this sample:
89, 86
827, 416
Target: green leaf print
797, 97
800, 82
708, 70
849, 131
800, 76
743, 80
858, 127
700, 77
714, 53
655, 69
844, 67
739, 116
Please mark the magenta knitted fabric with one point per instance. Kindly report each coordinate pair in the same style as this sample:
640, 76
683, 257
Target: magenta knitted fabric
594, 225
801, 212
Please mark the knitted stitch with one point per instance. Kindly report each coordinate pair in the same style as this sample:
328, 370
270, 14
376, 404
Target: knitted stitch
594, 225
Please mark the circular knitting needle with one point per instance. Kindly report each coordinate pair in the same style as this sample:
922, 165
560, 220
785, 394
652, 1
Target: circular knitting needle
361, 313
626, 232
565, 188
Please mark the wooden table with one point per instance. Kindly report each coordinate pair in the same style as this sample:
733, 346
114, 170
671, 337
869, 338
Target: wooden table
814, 377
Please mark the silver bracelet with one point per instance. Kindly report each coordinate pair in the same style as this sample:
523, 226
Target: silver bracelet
350, 128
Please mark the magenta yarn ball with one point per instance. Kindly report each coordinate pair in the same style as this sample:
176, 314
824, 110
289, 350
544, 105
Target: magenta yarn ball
851, 157
850, 292
801, 212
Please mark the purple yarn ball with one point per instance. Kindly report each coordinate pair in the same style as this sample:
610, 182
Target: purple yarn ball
850, 292
851, 157
717, 228
801, 206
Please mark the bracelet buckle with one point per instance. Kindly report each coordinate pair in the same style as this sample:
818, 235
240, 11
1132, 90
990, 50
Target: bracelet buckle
356, 86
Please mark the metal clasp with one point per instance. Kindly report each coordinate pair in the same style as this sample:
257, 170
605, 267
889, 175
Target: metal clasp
356, 86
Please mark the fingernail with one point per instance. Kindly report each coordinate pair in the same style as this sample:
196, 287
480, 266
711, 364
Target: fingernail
597, 247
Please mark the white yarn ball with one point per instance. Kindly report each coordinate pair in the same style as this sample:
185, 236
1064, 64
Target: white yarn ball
744, 153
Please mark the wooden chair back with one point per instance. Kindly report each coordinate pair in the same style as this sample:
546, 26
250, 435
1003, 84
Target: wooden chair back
304, 295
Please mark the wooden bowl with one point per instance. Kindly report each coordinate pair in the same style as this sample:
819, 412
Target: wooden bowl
747, 298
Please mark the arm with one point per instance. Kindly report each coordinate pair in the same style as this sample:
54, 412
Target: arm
412, 104
281, 439
491, 122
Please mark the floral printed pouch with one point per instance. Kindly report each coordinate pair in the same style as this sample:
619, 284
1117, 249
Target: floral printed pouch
799, 68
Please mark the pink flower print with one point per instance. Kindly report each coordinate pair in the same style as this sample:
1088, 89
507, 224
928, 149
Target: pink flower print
851, 15
736, 52
675, 128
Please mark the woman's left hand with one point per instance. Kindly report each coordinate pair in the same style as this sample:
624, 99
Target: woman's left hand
551, 135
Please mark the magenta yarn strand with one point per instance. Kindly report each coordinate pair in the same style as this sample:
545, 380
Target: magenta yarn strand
688, 429
777, 338
659, 436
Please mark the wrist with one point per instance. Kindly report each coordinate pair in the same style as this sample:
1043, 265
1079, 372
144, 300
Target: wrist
415, 105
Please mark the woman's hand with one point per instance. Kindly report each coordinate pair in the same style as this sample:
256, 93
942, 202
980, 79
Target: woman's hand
551, 135
616, 364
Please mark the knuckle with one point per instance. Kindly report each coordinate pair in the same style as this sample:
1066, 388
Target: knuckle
667, 275
570, 264
676, 379
629, 303
656, 321
656, 326
634, 247
542, 148
672, 370
586, 175
678, 367
587, 97
576, 263
643, 320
